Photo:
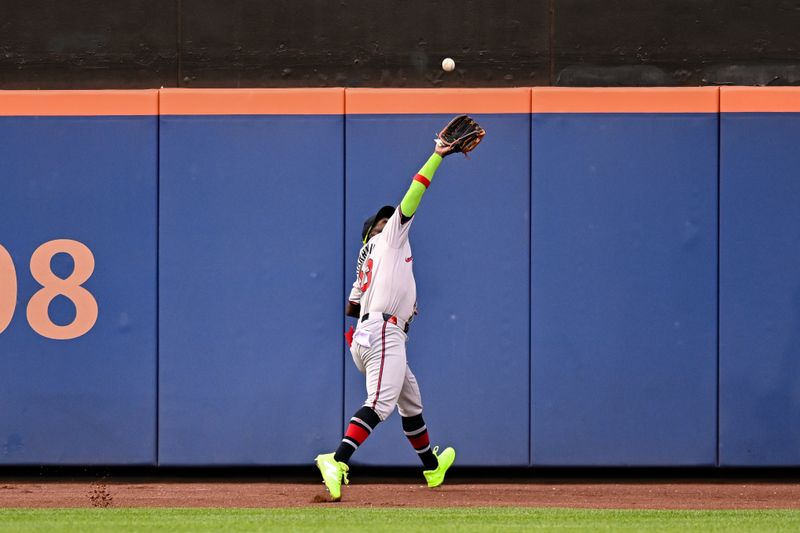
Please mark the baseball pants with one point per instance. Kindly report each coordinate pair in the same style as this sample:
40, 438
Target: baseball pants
379, 352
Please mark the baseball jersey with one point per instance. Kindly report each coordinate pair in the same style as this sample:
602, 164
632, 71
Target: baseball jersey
385, 282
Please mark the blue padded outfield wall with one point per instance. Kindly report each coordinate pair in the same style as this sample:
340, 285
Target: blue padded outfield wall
611, 279
623, 320
90, 399
759, 280
250, 259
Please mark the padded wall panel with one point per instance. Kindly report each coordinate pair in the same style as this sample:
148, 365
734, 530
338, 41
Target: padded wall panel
468, 346
624, 265
250, 279
760, 278
92, 179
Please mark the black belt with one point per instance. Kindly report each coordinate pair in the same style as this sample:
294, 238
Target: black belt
387, 318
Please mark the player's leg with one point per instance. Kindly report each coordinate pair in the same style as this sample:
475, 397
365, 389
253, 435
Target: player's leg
385, 370
382, 364
361, 426
409, 405
364, 420
333, 466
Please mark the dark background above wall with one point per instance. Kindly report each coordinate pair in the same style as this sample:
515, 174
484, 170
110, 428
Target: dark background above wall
52, 44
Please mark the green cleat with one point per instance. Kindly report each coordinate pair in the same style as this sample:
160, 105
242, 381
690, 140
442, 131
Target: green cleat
436, 477
333, 473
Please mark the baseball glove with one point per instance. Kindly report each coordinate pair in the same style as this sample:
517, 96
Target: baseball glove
462, 134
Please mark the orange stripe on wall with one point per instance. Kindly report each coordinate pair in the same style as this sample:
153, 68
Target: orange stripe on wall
625, 100
252, 101
399, 101
78, 103
450, 101
760, 99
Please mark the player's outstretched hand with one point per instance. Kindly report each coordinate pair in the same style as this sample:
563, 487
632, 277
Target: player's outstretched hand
442, 149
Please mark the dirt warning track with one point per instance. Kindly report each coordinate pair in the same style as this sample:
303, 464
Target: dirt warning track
621, 495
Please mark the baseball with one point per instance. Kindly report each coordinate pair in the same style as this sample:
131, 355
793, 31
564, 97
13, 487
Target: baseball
448, 64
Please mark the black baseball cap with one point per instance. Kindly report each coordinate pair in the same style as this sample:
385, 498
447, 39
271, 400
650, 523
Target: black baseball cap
384, 212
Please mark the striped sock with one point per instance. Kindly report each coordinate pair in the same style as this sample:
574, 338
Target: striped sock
417, 433
359, 428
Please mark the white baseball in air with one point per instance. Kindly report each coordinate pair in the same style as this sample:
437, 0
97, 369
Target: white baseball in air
448, 64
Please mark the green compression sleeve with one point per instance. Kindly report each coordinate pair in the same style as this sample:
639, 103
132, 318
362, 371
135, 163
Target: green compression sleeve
420, 184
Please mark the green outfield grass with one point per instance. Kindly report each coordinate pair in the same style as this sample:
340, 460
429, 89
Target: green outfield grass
350, 520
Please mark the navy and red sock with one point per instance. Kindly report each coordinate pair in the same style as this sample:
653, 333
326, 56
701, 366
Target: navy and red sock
417, 433
364, 422
359, 428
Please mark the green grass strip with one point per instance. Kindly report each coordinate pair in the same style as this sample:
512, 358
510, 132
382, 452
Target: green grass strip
377, 520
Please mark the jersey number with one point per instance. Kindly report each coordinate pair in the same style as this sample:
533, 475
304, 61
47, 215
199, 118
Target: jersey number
365, 275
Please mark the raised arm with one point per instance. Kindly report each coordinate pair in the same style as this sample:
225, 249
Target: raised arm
422, 181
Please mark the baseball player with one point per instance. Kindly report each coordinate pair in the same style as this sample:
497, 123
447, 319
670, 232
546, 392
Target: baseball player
383, 299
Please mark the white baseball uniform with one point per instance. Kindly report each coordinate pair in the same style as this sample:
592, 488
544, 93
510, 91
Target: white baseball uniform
385, 288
